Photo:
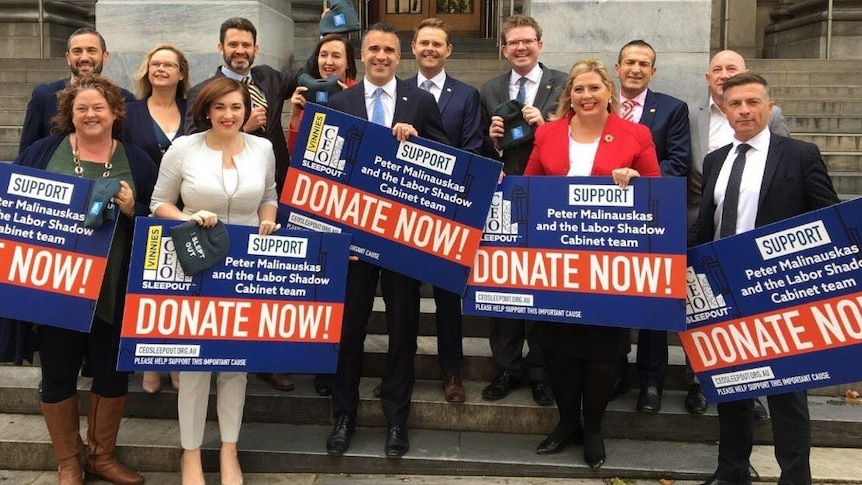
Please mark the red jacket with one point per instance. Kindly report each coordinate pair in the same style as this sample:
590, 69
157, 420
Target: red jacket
622, 144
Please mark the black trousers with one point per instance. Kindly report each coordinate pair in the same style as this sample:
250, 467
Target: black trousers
651, 358
507, 337
401, 295
62, 351
791, 433
450, 350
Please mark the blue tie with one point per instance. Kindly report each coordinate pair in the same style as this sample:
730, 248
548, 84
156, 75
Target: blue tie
522, 91
378, 115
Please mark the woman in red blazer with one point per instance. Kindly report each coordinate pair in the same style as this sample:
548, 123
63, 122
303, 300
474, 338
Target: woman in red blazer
587, 138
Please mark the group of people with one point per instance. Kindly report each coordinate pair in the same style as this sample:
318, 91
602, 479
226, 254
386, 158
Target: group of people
218, 152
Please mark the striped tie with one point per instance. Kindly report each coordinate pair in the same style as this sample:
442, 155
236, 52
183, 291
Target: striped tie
257, 97
628, 110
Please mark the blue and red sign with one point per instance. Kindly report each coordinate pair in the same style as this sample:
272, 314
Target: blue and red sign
274, 304
583, 250
51, 266
416, 207
777, 309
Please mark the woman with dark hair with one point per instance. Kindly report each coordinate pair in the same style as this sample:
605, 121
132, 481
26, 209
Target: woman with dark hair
86, 144
333, 56
220, 173
586, 138
152, 123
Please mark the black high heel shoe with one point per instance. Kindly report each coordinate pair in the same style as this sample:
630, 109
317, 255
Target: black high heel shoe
594, 450
560, 439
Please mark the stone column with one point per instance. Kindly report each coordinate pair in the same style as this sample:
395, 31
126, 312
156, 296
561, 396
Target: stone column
799, 30
132, 27
20, 26
679, 31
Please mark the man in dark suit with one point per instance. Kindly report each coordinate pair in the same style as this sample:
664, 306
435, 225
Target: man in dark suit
460, 109
780, 178
538, 88
268, 88
667, 119
410, 111
86, 53
711, 130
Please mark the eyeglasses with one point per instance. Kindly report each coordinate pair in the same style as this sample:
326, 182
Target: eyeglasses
516, 43
169, 66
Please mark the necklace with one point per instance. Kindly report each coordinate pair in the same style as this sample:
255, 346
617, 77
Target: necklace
229, 195
79, 170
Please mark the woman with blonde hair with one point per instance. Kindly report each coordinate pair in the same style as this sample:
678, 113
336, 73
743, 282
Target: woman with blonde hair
587, 138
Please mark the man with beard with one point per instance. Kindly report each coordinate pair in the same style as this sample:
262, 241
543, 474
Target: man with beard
85, 54
268, 89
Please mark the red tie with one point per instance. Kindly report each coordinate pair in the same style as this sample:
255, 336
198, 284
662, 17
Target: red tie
628, 110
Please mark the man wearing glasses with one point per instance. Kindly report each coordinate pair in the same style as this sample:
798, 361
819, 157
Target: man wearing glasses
537, 88
85, 54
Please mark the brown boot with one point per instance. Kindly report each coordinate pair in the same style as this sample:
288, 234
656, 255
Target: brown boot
103, 425
63, 426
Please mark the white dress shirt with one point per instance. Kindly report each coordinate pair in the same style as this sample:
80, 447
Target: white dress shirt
534, 77
720, 132
638, 110
388, 98
749, 188
437, 83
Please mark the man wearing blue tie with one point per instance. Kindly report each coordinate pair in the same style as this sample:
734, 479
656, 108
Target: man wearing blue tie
461, 111
409, 111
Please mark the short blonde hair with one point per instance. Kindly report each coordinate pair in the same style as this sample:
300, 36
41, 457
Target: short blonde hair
584, 66
143, 88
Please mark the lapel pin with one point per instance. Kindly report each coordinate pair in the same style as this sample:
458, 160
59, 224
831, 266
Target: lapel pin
652, 110
448, 90
404, 98
609, 138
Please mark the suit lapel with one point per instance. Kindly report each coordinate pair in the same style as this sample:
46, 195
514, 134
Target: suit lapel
543, 94
649, 111
721, 153
773, 156
401, 101
446, 94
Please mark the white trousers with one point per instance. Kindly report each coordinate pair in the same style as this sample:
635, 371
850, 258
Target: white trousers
192, 406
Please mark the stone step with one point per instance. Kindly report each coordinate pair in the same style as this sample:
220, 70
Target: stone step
12, 117
16, 88
800, 65
824, 124
10, 134
57, 64
847, 182
15, 102
810, 78
838, 93
841, 142
821, 108
151, 445
32, 76
9, 150
843, 161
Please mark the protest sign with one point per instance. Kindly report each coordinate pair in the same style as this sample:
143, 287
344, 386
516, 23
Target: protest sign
51, 266
274, 304
583, 250
416, 207
778, 308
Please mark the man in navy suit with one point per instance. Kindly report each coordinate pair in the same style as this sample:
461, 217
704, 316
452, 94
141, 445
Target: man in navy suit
410, 111
461, 111
86, 53
538, 88
667, 119
780, 178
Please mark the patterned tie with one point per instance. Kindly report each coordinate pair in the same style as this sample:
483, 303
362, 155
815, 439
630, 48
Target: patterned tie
628, 111
378, 115
257, 97
731, 194
427, 85
522, 91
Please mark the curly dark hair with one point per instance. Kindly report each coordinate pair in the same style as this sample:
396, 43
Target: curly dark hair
62, 122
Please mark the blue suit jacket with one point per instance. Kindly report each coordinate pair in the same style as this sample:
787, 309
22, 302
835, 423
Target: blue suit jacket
461, 111
667, 119
41, 108
138, 129
412, 105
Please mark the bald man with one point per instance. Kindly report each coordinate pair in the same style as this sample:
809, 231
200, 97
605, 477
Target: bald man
711, 130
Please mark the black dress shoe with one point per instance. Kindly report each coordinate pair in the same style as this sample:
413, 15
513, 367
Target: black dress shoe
621, 385
716, 481
542, 393
695, 401
760, 411
339, 439
594, 450
397, 442
322, 384
649, 400
500, 386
